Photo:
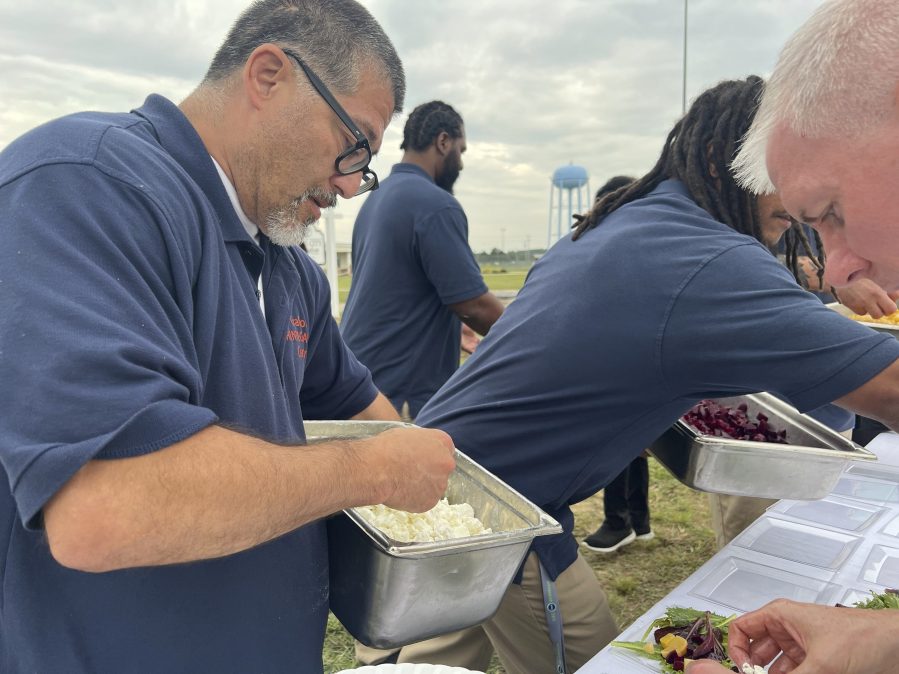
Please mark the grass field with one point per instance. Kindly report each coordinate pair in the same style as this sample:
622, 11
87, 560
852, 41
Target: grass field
508, 280
636, 576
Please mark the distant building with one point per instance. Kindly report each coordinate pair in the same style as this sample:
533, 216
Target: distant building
315, 246
344, 258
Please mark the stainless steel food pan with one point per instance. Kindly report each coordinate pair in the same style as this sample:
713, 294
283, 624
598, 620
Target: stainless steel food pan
880, 327
806, 468
389, 593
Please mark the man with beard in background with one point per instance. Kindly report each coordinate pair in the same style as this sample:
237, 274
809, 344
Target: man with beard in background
415, 278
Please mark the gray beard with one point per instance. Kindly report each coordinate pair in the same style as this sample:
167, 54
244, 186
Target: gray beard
282, 227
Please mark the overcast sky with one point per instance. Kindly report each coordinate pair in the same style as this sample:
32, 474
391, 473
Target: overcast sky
539, 84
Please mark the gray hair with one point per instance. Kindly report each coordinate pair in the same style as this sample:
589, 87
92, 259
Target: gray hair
336, 38
836, 77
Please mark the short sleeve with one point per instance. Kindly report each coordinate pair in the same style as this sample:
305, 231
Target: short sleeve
446, 258
742, 324
335, 384
95, 351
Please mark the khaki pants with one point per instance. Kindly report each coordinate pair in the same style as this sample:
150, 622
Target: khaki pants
732, 514
518, 631
469, 648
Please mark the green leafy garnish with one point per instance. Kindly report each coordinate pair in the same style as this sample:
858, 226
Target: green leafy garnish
678, 616
705, 632
639, 647
880, 600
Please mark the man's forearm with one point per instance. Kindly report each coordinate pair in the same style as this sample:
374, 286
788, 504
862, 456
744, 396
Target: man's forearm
210, 495
479, 313
381, 409
878, 398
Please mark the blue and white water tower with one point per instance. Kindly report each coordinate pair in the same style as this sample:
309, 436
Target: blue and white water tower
569, 193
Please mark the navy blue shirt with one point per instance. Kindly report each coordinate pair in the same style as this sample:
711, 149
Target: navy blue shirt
617, 334
130, 322
838, 418
410, 259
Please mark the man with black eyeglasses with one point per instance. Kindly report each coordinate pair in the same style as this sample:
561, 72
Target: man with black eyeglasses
163, 340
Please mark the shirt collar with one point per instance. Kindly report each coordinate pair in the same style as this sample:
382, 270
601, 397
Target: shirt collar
406, 167
673, 186
248, 225
179, 138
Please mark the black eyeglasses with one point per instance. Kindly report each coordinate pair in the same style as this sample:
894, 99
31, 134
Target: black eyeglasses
355, 158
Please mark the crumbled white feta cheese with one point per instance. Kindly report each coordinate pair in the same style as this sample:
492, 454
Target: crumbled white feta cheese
440, 523
753, 669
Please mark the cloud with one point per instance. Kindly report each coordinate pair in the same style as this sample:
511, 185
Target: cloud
594, 82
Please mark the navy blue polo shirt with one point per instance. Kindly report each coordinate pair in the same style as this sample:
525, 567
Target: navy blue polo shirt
411, 259
617, 334
130, 322
837, 418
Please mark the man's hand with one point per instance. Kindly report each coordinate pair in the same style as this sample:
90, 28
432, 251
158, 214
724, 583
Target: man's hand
809, 272
470, 339
413, 465
866, 297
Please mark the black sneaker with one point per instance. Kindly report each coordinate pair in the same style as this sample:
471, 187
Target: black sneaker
606, 539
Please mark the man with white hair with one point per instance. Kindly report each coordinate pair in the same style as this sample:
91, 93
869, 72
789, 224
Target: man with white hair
826, 138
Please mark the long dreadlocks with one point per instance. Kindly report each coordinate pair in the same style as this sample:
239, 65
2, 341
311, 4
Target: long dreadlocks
698, 152
796, 244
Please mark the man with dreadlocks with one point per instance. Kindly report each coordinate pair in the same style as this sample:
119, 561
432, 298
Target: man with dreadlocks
665, 294
414, 276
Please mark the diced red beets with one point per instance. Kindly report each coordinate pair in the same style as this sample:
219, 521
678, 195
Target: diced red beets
711, 418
